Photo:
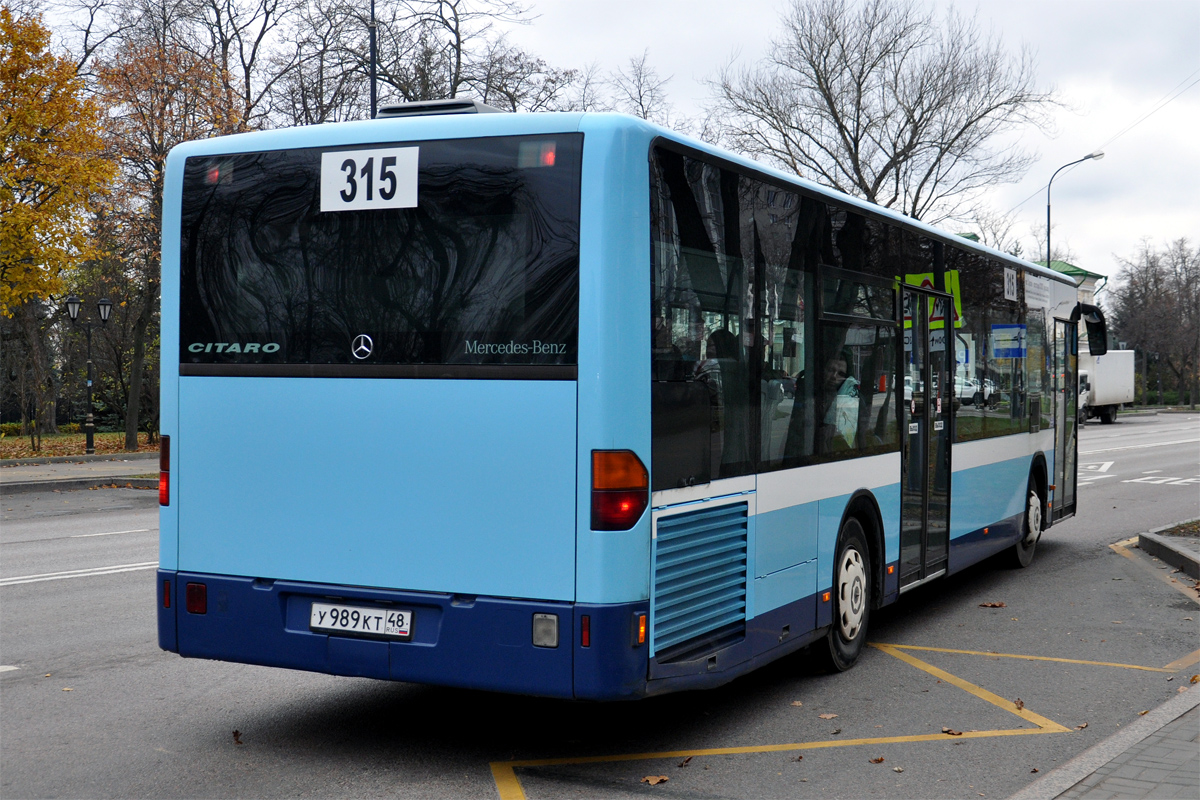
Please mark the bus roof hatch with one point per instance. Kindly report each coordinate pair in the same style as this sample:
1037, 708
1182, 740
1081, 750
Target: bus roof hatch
425, 108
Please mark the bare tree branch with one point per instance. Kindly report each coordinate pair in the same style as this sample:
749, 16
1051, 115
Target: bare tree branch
882, 101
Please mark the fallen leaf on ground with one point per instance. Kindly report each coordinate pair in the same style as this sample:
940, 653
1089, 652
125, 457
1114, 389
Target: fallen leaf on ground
897, 769
1170, 678
1019, 704
48, 674
1081, 727
797, 703
993, 605
827, 716
835, 731
951, 732
685, 762
1035, 769
655, 780
799, 758
1194, 679
237, 737
877, 760
68, 689
1117, 622
1143, 713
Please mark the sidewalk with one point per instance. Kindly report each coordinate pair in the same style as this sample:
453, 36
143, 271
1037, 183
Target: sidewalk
1155, 756
82, 472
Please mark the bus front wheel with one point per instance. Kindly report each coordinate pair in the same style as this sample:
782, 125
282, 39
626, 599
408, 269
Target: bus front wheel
1031, 529
851, 598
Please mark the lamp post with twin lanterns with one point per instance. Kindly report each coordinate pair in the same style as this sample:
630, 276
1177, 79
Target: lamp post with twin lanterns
104, 306
1096, 156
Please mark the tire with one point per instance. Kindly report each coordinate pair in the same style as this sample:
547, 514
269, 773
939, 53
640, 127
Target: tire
851, 599
1108, 415
1031, 528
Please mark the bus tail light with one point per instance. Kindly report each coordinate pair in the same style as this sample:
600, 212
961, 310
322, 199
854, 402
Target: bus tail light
620, 489
197, 598
585, 631
164, 470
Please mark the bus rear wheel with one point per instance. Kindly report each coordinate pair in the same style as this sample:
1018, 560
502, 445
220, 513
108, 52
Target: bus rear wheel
1022, 551
851, 599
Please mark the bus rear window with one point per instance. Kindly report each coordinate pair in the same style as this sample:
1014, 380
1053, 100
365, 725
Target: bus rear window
454, 260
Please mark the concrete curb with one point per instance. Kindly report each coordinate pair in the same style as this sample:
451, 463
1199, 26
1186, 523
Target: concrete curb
1059, 780
19, 462
1162, 548
73, 484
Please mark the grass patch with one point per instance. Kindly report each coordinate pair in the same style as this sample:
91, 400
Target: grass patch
71, 444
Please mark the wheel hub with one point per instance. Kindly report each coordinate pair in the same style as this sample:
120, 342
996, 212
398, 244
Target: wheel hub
852, 594
1033, 516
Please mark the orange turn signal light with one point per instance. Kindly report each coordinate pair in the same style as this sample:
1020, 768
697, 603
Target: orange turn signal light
618, 469
891, 568
825, 597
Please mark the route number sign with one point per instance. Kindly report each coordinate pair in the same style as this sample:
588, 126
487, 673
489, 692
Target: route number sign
367, 180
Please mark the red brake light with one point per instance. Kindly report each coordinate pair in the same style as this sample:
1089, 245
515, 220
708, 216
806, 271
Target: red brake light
620, 489
166, 594
164, 470
585, 631
197, 598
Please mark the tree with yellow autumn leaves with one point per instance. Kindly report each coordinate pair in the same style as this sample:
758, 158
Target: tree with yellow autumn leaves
52, 164
52, 170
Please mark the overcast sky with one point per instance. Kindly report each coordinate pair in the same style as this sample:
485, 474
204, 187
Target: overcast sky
1112, 62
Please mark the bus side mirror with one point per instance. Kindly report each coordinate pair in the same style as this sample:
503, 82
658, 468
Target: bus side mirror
1097, 328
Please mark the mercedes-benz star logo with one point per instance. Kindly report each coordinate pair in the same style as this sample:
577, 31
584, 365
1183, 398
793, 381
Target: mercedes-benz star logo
362, 347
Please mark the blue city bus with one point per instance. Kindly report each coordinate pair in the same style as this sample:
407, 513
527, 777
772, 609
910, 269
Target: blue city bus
572, 405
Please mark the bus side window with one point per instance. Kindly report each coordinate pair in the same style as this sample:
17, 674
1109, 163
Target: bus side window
699, 310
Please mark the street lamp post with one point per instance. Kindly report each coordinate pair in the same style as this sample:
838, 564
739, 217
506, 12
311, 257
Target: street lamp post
371, 28
104, 306
1096, 156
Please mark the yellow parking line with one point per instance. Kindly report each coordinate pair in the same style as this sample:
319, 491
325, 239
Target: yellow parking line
1181, 663
509, 786
1033, 658
983, 694
1121, 547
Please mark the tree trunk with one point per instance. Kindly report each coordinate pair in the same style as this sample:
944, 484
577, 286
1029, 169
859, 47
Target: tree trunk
133, 404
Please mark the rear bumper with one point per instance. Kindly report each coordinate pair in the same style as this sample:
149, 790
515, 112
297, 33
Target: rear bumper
471, 642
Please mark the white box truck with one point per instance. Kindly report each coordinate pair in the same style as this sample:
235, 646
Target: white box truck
1105, 382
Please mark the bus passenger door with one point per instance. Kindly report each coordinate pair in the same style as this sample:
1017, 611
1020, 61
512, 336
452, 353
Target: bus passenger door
925, 414
1066, 385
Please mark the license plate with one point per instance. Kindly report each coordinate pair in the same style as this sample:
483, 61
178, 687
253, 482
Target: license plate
386, 622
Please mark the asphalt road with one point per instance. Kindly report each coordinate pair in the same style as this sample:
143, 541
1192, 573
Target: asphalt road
89, 707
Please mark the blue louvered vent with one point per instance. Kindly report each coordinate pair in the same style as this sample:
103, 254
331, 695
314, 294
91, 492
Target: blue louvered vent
699, 580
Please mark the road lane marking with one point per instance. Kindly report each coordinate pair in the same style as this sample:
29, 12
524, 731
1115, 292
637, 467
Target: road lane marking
1122, 548
1137, 447
8, 669
1183, 663
110, 533
1028, 658
509, 786
78, 573
970, 688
